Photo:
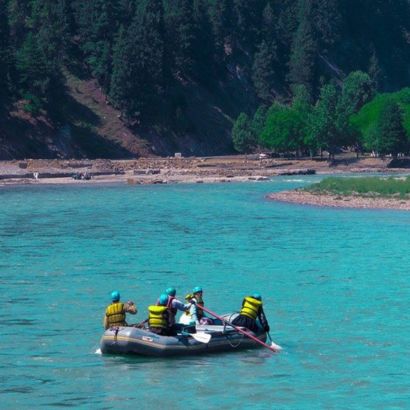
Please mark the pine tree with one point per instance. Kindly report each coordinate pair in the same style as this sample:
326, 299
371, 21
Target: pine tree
391, 137
323, 121
243, 137
5, 55
302, 65
263, 71
185, 39
223, 26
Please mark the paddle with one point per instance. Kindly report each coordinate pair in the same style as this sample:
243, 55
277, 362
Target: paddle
273, 348
199, 337
273, 344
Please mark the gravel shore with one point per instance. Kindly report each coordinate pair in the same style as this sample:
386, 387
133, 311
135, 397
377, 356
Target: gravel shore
156, 170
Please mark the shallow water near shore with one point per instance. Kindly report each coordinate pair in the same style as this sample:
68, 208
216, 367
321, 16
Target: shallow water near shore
335, 284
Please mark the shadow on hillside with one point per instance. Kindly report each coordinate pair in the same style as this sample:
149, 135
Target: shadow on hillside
93, 146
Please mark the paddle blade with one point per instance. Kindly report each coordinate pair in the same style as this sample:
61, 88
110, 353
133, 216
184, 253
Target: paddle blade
275, 347
201, 337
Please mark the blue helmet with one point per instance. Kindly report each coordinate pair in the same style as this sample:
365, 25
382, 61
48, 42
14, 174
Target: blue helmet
163, 299
115, 296
196, 289
171, 291
257, 296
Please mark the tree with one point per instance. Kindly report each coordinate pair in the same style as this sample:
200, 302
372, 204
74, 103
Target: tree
323, 121
243, 137
5, 55
358, 89
259, 120
302, 64
263, 72
284, 129
390, 135
137, 80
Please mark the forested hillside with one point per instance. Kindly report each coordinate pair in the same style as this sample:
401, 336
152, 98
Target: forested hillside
132, 77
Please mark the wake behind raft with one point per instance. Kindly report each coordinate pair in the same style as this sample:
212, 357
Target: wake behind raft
206, 339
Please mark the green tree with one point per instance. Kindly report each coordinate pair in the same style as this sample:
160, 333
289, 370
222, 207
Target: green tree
243, 137
323, 122
263, 72
259, 121
5, 55
302, 64
284, 129
390, 135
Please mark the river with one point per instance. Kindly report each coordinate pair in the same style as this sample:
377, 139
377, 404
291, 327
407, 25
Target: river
335, 285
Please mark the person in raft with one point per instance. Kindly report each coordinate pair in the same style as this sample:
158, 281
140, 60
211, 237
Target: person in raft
173, 306
252, 308
115, 312
195, 312
159, 317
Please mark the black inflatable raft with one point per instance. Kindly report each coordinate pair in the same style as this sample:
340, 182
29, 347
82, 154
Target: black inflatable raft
131, 340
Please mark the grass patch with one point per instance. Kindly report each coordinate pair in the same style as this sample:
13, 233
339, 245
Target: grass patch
366, 187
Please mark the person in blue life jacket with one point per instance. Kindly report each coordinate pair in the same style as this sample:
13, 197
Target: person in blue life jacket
115, 312
159, 317
196, 313
252, 309
173, 305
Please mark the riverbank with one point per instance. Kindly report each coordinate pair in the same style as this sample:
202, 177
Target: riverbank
177, 170
303, 197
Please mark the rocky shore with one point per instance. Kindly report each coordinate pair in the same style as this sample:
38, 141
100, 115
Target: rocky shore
176, 170
337, 201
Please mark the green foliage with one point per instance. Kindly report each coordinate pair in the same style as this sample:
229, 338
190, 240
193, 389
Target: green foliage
390, 136
243, 137
302, 64
263, 74
363, 186
323, 122
284, 129
366, 120
143, 53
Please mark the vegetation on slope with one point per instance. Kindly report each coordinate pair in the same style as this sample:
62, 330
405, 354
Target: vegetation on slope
162, 63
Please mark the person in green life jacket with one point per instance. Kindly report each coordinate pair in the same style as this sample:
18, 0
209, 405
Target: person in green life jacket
159, 317
252, 309
115, 312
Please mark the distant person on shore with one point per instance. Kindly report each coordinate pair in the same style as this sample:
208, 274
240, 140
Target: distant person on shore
252, 309
159, 318
197, 314
115, 312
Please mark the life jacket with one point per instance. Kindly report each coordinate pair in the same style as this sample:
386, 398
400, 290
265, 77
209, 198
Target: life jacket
115, 314
158, 316
199, 311
250, 307
169, 305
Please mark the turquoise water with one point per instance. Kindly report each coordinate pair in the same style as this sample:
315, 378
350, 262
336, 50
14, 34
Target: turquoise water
335, 285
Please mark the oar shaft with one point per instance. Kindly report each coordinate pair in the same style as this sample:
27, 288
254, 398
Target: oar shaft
238, 329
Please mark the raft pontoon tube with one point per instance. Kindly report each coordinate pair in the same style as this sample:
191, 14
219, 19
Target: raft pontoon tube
132, 340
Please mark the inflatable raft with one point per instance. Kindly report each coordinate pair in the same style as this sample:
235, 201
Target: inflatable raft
206, 339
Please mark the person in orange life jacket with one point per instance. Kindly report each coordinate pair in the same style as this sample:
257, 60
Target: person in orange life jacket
115, 312
174, 305
197, 314
252, 308
159, 317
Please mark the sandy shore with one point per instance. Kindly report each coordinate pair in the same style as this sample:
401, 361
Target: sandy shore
337, 201
176, 170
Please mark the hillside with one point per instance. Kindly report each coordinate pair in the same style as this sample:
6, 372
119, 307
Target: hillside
123, 78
